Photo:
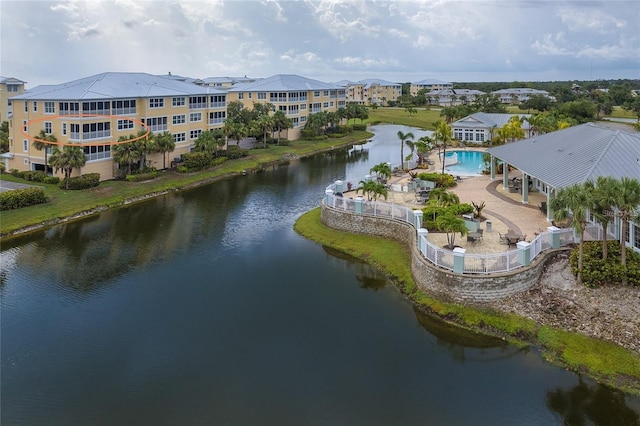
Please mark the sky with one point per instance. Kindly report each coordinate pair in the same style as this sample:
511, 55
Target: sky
51, 42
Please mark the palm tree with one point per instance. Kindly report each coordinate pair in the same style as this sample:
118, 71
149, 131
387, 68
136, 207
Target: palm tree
443, 133
574, 201
281, 122
372, 189
382, 171
41, 145
603, 191
423, 145
126, 153
627, 200
451, 225
206, 142
403, 138
443, 198
165, 143
69, 158
235, 130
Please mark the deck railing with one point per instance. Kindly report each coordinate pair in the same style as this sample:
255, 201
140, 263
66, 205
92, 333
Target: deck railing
486, 263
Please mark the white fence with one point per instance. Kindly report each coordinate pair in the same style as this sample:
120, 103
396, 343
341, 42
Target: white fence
488, 263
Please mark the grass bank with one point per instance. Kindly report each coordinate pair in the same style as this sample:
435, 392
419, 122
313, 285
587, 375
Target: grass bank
604, 361
65, 204
423, 118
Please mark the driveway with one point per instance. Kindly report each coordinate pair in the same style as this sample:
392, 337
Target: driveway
8, 186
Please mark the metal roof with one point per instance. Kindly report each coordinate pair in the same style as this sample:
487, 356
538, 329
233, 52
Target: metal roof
116, 85
488, 120
575, 155
284, 83
11, 80
431, 81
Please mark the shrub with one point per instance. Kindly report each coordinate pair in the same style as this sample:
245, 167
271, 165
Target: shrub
431, 212
90, 180
182, 169
139, 177
597, 272
235, 152
360, 127
441, 180
197, 160
52, 180
18, 198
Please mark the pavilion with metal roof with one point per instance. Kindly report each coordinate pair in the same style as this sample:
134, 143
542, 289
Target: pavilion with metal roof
556, 160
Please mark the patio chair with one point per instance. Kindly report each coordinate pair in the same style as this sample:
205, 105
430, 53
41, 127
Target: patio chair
543, 208
503, 239
481, 232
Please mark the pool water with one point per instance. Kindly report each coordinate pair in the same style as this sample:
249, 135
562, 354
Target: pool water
469, 163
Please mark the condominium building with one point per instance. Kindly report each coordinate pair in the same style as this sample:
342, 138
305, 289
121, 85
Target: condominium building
96, 111
515, 96
429, 85
452, 97
292, 94
372, 91
9, 87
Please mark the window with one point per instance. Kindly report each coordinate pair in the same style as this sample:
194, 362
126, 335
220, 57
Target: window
179, 137
156, 103
194, 134
97, 152
69, 108
325, 93
48, 127
96, 130
35, 106
178, 102
26, 106
25, 145
12, 87
325, 105
124, 107
217, 117
303, 106
24, 126
240, 95
75, 131
49, 107
157, 124
303, 119
64, 129
195, 116
316, 93
125, 124
178, 119
636, 235
197, 102
218, 101
262, 95
295, 121
98, 108
249, 95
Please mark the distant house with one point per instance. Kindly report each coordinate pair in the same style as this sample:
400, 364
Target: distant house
452, 97
9, 87
429, 84
480, 127
371, 91
557, 160
516, 96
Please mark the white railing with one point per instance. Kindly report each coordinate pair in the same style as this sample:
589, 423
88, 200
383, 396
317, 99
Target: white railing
487, 263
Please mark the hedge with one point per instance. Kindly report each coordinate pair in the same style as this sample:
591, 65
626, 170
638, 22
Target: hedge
90, 180
18, 198
142, 176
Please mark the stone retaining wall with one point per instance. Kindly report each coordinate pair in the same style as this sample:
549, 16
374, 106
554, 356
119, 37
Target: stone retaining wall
444, 284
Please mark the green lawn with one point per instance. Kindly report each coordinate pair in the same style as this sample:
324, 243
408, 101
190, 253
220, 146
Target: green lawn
64, 203
619, 112
423, 119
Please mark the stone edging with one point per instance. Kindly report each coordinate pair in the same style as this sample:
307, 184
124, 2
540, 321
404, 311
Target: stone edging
444, 284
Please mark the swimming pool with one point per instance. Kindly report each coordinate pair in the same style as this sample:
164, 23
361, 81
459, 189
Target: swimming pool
469, 163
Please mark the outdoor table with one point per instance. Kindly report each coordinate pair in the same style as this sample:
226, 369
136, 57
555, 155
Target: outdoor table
474, 236
513, 238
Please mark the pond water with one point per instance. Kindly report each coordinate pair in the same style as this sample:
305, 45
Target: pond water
205, 307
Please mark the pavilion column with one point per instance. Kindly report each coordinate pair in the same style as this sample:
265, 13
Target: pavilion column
525, 188
550, 196
493, 168
505, 175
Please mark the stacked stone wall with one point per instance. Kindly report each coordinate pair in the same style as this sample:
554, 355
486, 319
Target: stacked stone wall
443, 283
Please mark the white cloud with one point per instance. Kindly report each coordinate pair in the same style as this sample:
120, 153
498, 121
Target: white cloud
57, 41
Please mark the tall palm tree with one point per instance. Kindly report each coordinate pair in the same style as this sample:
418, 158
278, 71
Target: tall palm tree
372, 189
603, 192
125, 153
145, 146
165, 143
206, 142
71, 157
39, 144
627, 202
382, 171
403, 138
444, 135
573, 201
235, 130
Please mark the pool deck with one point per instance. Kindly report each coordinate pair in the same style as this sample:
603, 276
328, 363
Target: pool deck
505, 210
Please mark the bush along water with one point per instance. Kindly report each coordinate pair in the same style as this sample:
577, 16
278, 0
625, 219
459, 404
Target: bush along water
597, 272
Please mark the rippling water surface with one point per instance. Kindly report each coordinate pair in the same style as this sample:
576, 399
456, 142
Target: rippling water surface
205, 307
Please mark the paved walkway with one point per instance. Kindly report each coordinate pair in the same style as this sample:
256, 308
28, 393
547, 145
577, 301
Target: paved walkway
6, 185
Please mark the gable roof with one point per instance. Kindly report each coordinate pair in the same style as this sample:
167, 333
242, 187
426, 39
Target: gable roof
490, 120
116, 85
575, 155
284, 83
431, 82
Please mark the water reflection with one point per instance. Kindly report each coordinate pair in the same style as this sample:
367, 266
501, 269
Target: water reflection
369, 278
585, 404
